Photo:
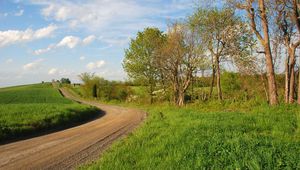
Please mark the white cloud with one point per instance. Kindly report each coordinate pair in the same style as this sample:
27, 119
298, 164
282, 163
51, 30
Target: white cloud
111, 14
88, 39
9, 61
33, 65
16, 36
118, 19
69, 41
95, 65
42, 51
20, 13
55, 72
60, 13
82, 58
93, 14
45, 32
52, 71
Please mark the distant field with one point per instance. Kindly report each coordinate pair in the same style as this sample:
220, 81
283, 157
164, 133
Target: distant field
27, 109
210, 136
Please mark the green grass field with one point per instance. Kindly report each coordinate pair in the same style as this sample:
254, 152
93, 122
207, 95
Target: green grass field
210, 136
28, 109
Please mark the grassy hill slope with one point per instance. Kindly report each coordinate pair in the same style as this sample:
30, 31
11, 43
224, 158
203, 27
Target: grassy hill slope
29, 109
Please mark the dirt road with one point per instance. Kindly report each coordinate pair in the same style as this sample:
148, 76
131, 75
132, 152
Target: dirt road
68, 148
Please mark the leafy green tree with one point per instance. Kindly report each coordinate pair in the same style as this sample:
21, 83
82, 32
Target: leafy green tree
65, 81
224, 35
139, 58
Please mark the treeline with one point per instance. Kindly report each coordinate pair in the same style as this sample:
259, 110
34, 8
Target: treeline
236, 87
61, 81
99, 88
250, 35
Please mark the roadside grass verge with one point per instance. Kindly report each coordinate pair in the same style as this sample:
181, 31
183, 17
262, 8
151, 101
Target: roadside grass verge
220, 136
31, 109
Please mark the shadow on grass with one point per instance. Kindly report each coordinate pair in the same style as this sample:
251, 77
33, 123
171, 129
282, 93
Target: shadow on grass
47, 126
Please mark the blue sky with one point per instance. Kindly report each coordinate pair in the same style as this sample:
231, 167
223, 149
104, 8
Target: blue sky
43, 40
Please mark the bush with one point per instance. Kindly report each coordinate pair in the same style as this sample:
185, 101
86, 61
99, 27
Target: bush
230, 82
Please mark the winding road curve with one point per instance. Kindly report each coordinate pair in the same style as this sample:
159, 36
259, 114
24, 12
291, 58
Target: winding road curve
71, 147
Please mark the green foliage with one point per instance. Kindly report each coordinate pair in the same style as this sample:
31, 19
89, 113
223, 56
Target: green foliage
195, 138
28, 109
237, 87
65, 81
122, 92
139, 57
139, 61
202, 81
230, 82
91, 82
113, 91
99, 88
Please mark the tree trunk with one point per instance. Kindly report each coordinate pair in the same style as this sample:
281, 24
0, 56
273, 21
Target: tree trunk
175, 97
180, 101
287, 81
297, 22
220, 97
269, 61
212, 82
175, 94
151, 93
151, 97
292, 84
292, 75
271, 79
94, 91
262, 76
298, 101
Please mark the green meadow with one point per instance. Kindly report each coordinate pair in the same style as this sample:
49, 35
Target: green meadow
29, 109
210, 136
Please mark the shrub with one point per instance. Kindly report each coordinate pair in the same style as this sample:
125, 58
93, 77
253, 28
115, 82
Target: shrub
230, 82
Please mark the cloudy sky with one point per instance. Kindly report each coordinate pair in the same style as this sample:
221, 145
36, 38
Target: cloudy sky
41, 40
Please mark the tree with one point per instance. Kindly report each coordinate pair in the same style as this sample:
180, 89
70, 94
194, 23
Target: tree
139, 57
224, 35
296, 20
65, 81
258, 21
286, 26
178, 58
91, 83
